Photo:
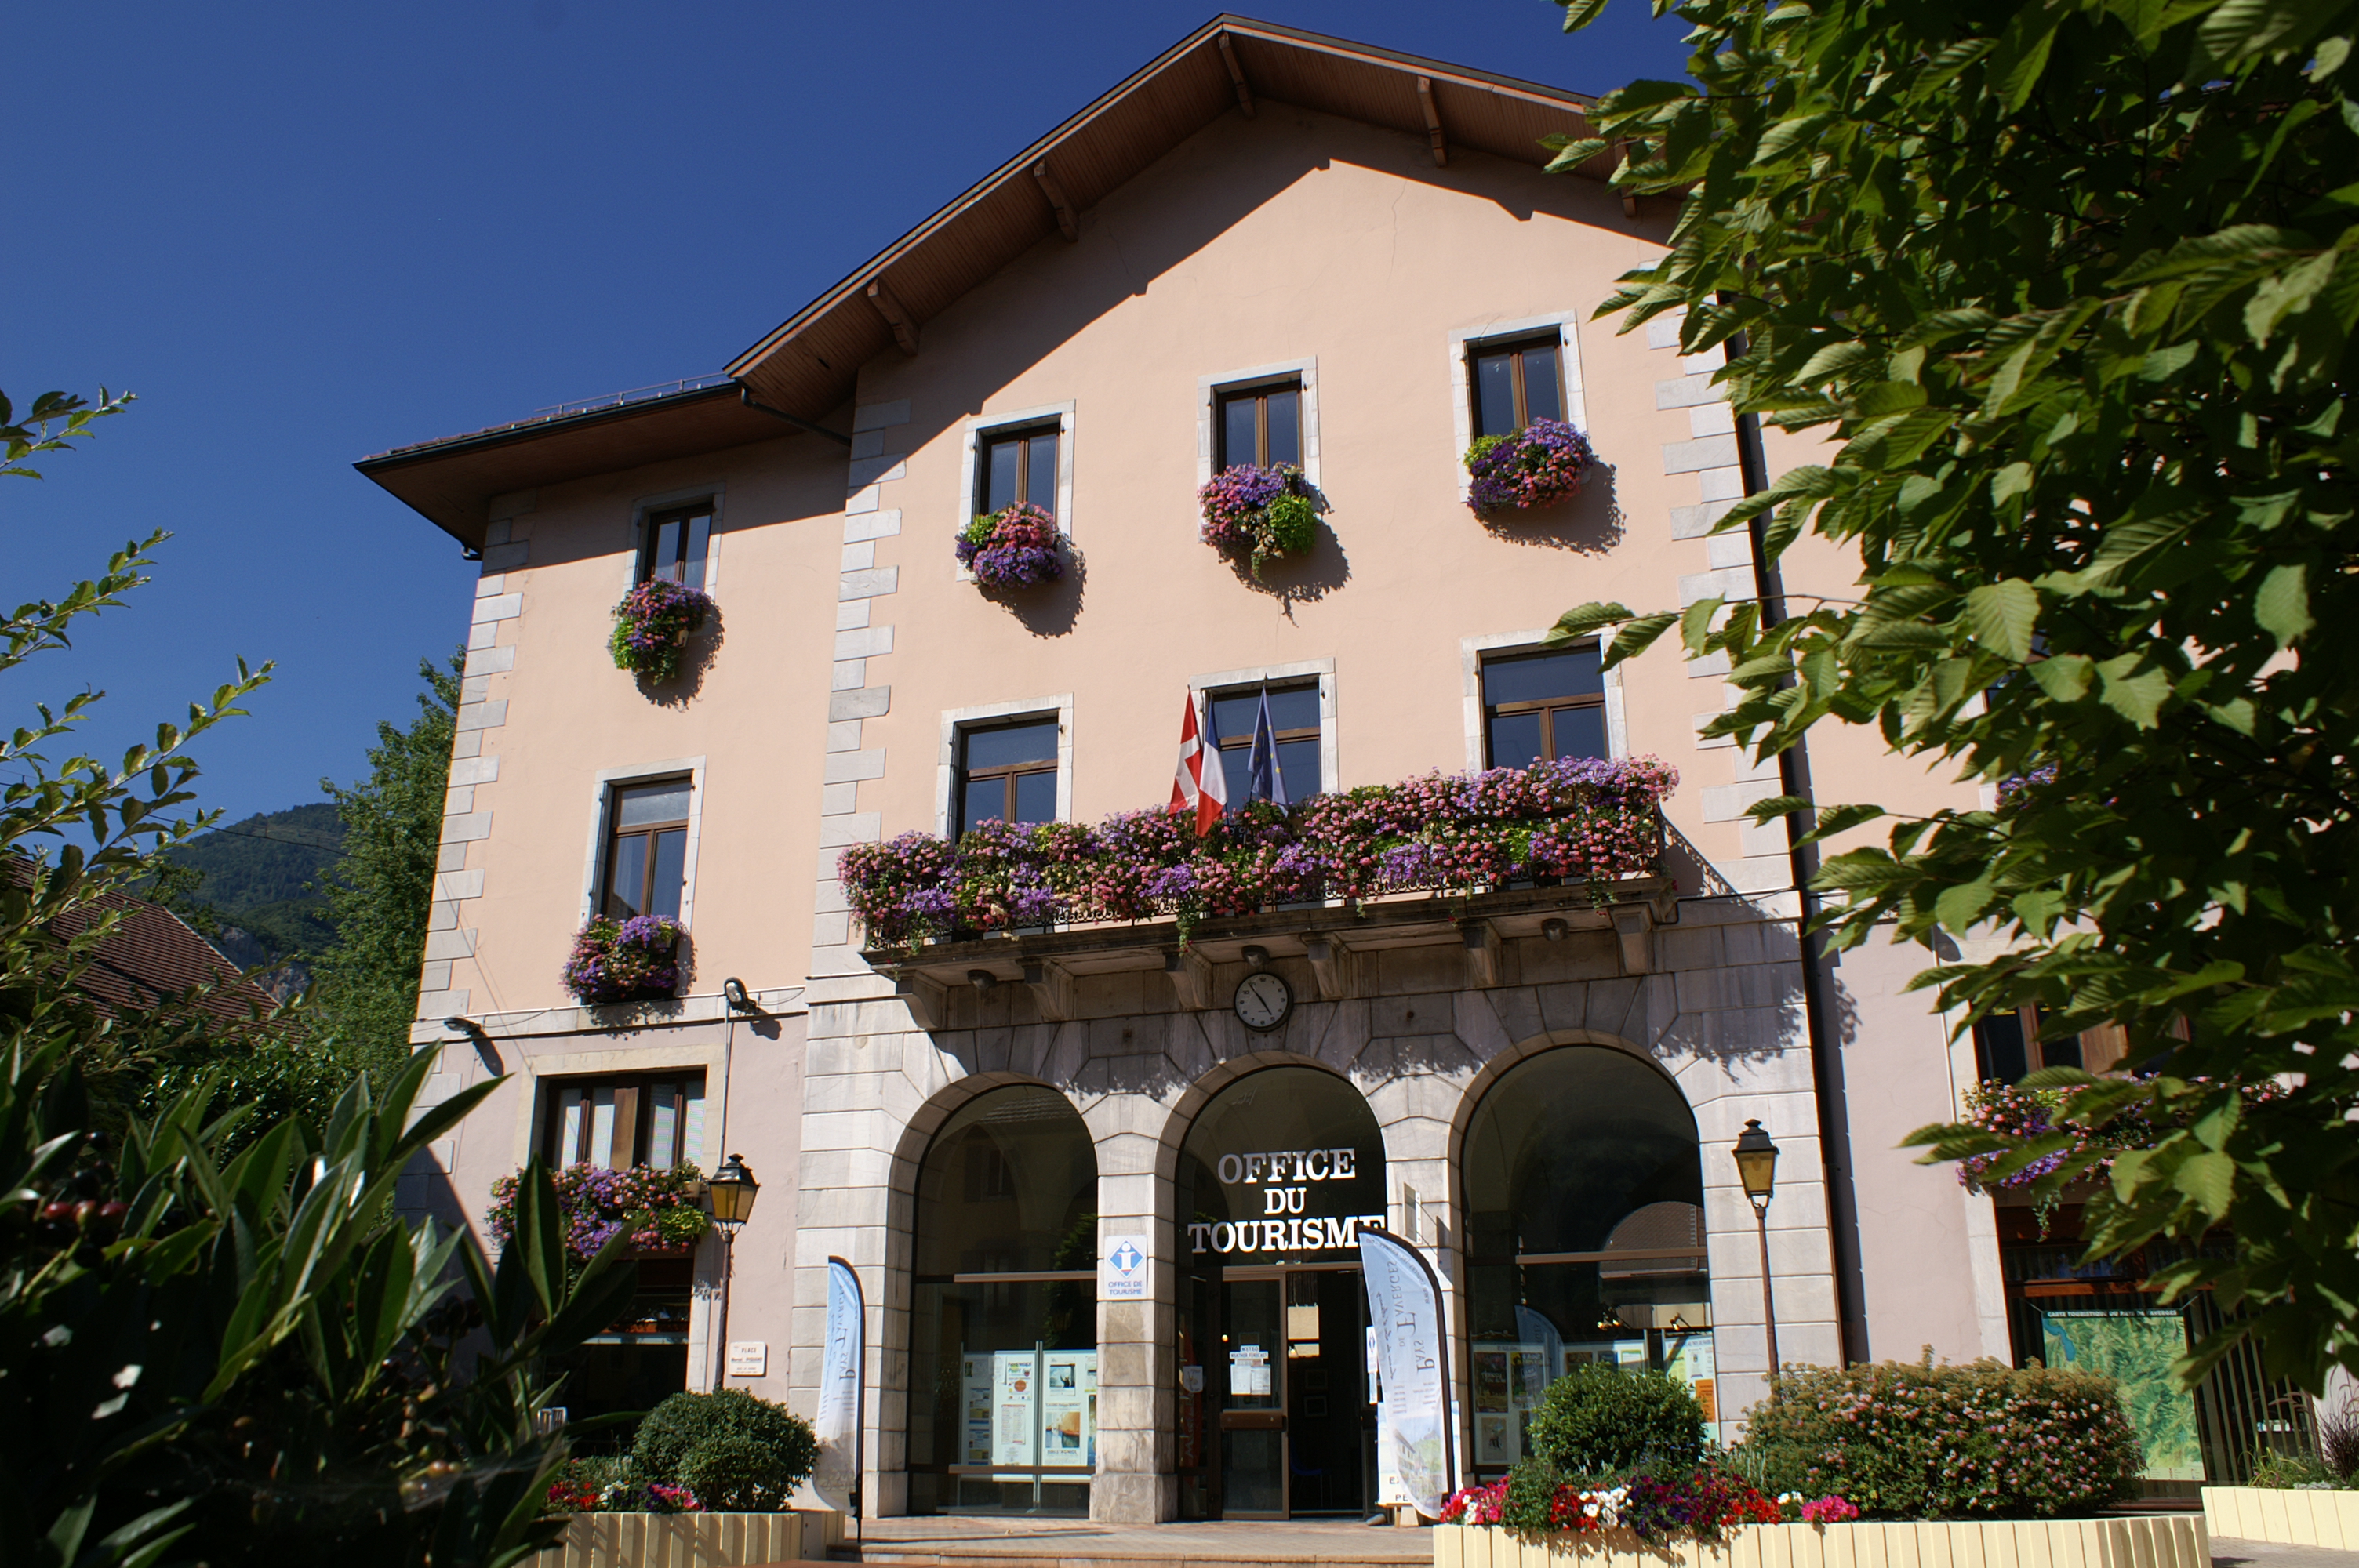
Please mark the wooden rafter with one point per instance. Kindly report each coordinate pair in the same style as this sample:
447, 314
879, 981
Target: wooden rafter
1432, 123
1237, 77
1066, 224
904, 325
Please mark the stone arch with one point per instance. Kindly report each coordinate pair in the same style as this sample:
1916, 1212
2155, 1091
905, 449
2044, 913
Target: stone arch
1503, 1062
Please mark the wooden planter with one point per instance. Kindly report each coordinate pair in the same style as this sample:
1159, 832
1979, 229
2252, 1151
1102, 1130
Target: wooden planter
696, 1541
2157, 1540
2288, 1516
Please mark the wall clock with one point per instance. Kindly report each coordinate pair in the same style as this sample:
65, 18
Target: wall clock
1262, 1000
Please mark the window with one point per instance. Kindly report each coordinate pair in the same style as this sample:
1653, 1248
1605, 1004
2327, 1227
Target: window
1294, 721
1008, 773
1515, 384
674, 546
2008, 1045
646, 849
1543, 706
1016, 465
614, 1123
1262, 426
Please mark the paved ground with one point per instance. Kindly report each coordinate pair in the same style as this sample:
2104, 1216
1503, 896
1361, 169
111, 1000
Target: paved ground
2229, 1553
1005, 1543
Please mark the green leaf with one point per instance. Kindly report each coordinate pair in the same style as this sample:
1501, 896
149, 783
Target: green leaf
1578, 14
2134, 688
2002, 616
2209, 1179
1837, 819
1638, 637
1586, 620
2064, 677
2242, 28
1957, 908
2282, 605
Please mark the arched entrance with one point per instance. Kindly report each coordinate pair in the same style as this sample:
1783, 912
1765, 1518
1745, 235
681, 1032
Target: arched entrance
1003, 1310
1584, 1237
1277, 1173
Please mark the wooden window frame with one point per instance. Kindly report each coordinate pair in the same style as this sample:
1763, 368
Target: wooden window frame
1011, 771
617, 833
1515, 347
1277, 737
651, 531
1023, 434
1545, 706
634, 1090
1259, 392
2105, 1045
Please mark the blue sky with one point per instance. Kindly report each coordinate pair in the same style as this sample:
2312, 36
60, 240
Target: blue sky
303, 233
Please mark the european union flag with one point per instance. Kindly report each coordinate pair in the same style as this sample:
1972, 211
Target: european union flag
1263, 780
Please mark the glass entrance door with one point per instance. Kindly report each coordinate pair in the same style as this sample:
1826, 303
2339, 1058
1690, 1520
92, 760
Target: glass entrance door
1296, 1425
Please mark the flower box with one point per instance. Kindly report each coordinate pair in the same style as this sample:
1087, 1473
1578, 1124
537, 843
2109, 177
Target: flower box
659, 1208
624, 960
1539, 465
1264, 514
652, 625
1015, 547
703, 1540
2146, 1540
2289, 1516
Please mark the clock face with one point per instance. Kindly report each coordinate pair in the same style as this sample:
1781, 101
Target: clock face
1264, 999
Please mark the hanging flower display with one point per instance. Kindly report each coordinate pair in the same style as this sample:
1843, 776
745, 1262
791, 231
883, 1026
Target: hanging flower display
652, 623
1587, 818
658, 1208
624, 960
1539, 465
1014, 547
1269, 512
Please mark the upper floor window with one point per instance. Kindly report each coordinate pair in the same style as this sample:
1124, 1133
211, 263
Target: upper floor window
2007, 1046
1261, 426
1543, 706
650, 1119
1515, 383
1007, 772
674, 544
646, 849
1017, 465
1294, 725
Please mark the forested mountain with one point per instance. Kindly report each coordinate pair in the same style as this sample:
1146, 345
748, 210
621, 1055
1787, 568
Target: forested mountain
261, 879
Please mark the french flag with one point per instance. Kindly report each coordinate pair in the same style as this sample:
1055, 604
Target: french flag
1197, 785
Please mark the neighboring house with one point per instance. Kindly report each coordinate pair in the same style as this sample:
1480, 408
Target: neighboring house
152, 956
1333, 255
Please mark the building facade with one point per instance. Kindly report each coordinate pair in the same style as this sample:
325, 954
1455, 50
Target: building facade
1100, 1179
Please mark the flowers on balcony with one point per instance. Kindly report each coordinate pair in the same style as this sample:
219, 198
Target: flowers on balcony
624, 960
658, 1208
652, 623
1539, 465
1268, 512
1586, 819
1014, 547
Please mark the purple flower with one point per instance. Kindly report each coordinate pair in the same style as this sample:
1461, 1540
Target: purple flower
1015, 547
1539, 465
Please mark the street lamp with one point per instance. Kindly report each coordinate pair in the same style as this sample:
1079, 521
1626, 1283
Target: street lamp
731, 1190
1757, 1167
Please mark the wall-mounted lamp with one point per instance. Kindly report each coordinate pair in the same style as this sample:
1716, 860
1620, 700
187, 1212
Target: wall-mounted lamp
982, 981
732, 991
485, 1052
1256, 958
1555, 929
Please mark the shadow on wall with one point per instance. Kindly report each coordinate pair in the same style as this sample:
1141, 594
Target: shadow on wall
1304, 580
1050, 610
1589, 523
1690, 871
695, 660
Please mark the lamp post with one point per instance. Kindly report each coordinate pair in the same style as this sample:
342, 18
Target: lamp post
731, 1190
1757, 1167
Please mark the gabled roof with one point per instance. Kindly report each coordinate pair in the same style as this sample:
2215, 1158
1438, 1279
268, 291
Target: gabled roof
806, 368
807, 365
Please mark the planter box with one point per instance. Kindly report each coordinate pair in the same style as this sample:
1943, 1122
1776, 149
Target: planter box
2289, 1516
696, 1541
2160, 1541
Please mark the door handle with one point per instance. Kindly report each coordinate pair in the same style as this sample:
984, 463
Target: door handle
1253, 1421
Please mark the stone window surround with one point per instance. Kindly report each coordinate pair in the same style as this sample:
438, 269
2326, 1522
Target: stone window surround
663, 500
593, 862
1462, 393
711, 1060
970, 442
1470, 655
957, 719
1208, 394
1330, 775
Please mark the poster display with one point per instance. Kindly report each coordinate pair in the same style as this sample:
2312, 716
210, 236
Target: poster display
2135, 1347
1688, 1358
1249, 1376
1029, 1407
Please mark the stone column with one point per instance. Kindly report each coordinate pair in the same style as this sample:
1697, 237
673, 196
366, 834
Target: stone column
1138, 1374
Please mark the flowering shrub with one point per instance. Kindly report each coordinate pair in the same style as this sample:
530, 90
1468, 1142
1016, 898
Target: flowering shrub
1014, 547
578, 1495
1917, 1441
1269, 512
624, 960
657, 1207
1539, 465
1679, 1504
1584, 817
650, 624
1829, 1510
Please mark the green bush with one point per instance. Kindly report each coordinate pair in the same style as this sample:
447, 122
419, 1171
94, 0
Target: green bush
752, 1451
1911, 1440
1597, 1420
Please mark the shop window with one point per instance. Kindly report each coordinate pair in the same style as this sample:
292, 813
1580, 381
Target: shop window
673, 545
1276, 1413
1585, 1237
1007, 772
1017, 465
1004, 1375
1294, 724
1543, 706
1261, 426
1515, 383
646, 849
614, 1123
